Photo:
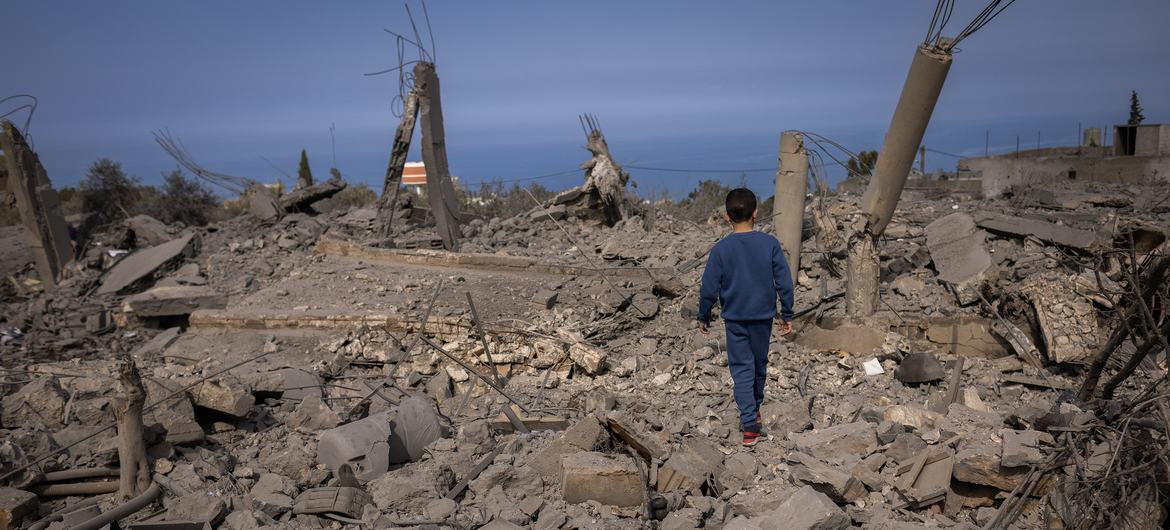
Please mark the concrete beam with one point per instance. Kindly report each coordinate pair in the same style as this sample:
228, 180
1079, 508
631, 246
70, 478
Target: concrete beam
788, 202
38, 205
440, 190
388, 201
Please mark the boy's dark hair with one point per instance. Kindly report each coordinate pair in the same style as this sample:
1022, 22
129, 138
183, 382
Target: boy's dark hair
740, 204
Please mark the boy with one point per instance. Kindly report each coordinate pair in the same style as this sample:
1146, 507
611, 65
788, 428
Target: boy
746, 271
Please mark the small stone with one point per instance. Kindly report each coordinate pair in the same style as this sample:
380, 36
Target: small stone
589, 358
661, 379
589, 476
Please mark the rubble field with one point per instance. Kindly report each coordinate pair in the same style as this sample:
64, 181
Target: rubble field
550, 374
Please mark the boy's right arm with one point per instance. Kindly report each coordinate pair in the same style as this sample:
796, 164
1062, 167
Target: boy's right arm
709, 289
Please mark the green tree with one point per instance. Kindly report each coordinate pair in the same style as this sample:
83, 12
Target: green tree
304, 174
109, 192
184, 200
863, 163
1135, 109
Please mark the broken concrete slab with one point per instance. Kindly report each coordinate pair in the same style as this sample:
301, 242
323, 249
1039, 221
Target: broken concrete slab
845, 337
960, 254
807, 509
1023, 448
39, 402
165, 301
782, 419
589, 476
980, 464
1068, 321
833, 481
1038, 228
143, 263
843, 444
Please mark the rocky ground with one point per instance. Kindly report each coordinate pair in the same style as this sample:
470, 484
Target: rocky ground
273, 353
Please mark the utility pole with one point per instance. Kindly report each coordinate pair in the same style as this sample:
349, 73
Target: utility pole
987, 143
922, 159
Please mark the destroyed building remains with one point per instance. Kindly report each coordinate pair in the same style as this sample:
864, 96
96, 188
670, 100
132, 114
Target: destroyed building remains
408, 364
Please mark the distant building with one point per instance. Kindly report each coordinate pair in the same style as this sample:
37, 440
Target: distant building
1139, 154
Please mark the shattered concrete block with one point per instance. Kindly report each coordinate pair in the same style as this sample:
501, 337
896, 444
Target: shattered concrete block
960, 255
177, 416
441, 509
313, 414
589, 358
272, 504
1068, 321
148, 231
173, 301
905, 446
585, 435
400, 490
689, 467
807, 509
832, 481
843, 444
224, 394
15, 506
589, 476
363, 444
980, 464
623, 426
915, 418
40, 402
144, 263
196, 507
1022, 448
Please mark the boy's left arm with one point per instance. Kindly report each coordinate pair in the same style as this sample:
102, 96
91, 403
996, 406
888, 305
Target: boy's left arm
782, 279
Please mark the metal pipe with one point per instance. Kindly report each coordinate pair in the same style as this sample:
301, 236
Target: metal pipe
923, 84
119, 512
80, 473
75, 488
788, 202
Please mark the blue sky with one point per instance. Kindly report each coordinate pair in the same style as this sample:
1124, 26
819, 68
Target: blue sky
682, 84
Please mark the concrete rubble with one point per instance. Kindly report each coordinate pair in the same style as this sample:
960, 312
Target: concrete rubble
302, 378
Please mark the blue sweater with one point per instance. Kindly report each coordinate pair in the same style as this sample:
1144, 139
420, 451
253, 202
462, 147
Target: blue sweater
746, 272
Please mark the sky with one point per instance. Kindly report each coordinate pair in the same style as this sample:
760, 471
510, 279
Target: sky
701, 86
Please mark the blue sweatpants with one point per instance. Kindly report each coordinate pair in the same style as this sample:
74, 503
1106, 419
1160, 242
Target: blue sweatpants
747, 357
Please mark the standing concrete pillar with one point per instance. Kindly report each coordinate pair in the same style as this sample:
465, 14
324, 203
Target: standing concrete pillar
788, 202
388, 201
924, 82
440, 190
38, 205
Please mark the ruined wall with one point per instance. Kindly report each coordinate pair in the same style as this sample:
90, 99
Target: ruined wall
999, 173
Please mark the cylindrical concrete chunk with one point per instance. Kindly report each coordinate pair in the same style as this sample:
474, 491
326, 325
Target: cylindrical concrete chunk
928, 71
595, 476
788, 203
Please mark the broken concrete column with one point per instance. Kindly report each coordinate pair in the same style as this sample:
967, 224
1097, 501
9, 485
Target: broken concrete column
302, 198
262, 203
173, 300
599, 477
924, 82
440, 190
788, 202
38, 205
388, 201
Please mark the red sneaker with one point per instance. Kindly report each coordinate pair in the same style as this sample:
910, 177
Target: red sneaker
752, 438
